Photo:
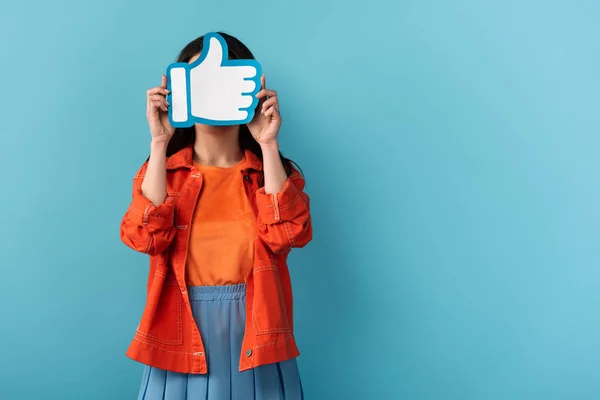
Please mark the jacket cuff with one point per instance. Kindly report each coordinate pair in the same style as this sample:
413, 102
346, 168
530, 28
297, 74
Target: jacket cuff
154, 217
279, 207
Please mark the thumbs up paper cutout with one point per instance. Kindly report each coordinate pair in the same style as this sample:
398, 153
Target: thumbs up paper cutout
213, 90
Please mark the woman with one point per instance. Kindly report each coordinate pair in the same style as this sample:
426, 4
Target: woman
217, 209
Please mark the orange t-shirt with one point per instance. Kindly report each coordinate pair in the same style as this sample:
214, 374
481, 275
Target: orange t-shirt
222, 231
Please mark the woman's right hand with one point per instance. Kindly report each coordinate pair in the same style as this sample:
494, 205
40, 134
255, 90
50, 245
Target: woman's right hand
157, 113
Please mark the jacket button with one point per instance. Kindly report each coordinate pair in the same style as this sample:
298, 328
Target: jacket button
248, 353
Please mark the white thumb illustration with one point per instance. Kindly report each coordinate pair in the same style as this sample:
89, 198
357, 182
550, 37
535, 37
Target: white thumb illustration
213, 89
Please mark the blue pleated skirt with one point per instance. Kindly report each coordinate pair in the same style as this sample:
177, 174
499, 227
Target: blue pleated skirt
220, 313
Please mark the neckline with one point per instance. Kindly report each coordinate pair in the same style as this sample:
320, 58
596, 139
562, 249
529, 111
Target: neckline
214, 168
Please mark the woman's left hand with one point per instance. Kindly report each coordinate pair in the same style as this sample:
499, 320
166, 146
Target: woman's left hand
265, 125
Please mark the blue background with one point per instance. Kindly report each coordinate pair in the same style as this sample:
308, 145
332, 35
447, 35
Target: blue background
451, 150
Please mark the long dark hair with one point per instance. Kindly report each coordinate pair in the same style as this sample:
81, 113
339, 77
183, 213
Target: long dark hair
184, 137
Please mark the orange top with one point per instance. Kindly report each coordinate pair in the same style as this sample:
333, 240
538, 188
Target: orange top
222, 232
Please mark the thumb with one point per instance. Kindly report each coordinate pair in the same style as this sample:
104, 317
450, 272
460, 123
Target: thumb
215, 48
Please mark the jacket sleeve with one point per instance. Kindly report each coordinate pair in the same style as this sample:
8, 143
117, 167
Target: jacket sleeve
284, 218
146, 227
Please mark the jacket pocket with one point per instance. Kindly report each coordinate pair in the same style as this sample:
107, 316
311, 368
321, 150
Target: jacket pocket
269, 314
162, 320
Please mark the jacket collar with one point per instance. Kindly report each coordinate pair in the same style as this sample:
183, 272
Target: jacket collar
184, 158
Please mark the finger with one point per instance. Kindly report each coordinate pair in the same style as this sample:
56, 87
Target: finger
271, 102
156, 109
272, 111
156, 97
266, 93
164, 81
259, 95
157, 90
160, 104
160, 101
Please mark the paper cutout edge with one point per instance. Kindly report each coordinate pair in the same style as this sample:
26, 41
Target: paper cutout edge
225, 62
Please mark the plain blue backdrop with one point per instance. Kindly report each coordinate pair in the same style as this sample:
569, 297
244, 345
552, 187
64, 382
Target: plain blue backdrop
451, 151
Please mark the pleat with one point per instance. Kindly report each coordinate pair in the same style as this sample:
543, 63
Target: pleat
197, 387
144, 385
267, 383
281, 383
156, 384
289, 377
175, 386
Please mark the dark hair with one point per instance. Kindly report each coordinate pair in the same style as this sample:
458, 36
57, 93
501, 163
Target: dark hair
184, 137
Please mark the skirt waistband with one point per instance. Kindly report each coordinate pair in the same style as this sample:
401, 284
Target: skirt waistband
208, 293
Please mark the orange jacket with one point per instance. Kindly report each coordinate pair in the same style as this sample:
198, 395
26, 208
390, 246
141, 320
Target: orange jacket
167, 336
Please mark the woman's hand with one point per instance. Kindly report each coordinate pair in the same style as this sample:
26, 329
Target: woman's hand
265, 125
157, 113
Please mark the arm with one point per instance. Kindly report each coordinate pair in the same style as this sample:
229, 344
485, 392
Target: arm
148, 225
275, 176
283, 207
154, 186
